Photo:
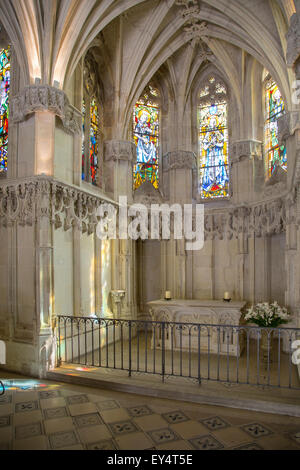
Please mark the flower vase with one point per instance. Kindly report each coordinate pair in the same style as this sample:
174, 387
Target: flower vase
266, 345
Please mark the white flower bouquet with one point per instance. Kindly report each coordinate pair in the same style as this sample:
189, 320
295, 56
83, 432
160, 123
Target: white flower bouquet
267, 315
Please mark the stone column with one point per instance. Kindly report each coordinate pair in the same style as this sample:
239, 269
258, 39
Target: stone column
179, 169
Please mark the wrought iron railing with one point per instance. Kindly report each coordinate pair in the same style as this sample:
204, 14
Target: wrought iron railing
203, 352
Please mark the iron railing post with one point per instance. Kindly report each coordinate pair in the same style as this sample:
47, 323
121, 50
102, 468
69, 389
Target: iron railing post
163, 359
129, 359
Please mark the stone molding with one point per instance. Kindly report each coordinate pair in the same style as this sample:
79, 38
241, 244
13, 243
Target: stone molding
46, 98
179, 160
27, 201
246, 148
115, 150
293, 40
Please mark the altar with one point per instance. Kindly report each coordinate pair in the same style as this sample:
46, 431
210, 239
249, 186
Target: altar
189, 325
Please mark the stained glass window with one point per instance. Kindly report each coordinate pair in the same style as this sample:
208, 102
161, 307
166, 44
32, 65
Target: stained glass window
274, 153
94, 132
4, 107
213, 140
146, 136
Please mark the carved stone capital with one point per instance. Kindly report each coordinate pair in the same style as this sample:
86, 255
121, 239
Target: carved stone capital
293, 40
45, 98
179, 160
246, 148
115, 150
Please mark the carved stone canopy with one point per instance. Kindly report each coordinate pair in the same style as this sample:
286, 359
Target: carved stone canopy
146, 194
115, 150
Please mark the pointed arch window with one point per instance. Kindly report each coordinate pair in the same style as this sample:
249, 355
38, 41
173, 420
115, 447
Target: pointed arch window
213, 139
146, 134
275, 155
91, 122
4, 107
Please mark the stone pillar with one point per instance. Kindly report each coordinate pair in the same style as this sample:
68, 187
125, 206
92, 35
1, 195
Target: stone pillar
179, 168
119, 158
44, 279
247, 170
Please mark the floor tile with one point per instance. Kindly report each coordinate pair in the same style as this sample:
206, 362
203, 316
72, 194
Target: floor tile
107, 405
189, 429
176, 445
138, 441
114, 416
53, 426
27, 417
142, 410
231, 436
214, 423
206, 443
92, 433
77, 399
72, 448
5, 421
151, 422
102, 445
6, 434
55, 413
277, 443
82, 409
92, 419
46, 394
162, 436
35, 443
28, 430
26, 406
21, 397
5, 399
63, 439
250, 446
175, 417
256, 430
123, 427
58, 402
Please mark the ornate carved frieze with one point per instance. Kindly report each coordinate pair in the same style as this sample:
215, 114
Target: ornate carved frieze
293, 40
65, 206
45, 98
179, 160
258, 220
246, 148
115, 150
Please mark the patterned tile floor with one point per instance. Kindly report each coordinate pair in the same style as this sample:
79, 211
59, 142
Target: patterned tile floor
58, 416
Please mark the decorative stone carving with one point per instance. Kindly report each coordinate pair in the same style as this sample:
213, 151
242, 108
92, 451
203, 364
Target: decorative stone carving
147, 195
196, 31
288, 124
246, 148
293, 40
65, 206
119, 150
179, 160
45, 98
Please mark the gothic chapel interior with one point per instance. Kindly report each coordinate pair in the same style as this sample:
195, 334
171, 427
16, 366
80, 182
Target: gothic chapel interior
169, 102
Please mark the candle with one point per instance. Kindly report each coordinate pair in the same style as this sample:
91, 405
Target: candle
227, 296
168, 295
